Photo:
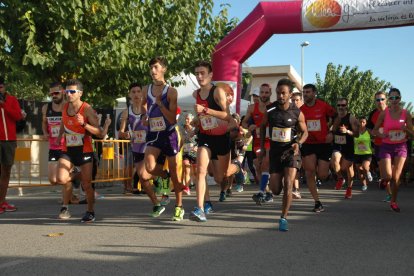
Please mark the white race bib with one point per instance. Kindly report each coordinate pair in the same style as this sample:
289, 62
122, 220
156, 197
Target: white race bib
208, 122
314, 125
74, 140
281, 134
340, 140
396, 135
139, 136
157, 124
54, 131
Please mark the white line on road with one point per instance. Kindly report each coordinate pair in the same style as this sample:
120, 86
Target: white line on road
13, 263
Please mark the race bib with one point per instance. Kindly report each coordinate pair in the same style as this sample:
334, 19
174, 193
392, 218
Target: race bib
340, 140
396, 135
362, 147
314, 125
139, 136
208, 122
157, 124
74, 140
281, 134
187, 147
54, 131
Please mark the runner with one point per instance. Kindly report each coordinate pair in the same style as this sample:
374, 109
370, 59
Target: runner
189, 151
363, 154
284, 120
297, 100
396, 123
344, 128
317, 150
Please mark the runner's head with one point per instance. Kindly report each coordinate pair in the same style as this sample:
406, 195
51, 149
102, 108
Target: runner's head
203, 72
74, 90
265, 93
284, 91
342, 105
309, 93
362, 121
158, 68
394, 96
380, 100
135, 92
56, 92
297, 99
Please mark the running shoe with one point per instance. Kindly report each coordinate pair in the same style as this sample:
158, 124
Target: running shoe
339, 183
348, 193
222, 196
387, 198
369, 177
283, 225
318, 207
157, 210
165, 199
208, 208
259, 198
186, 190
318, 182
192, 185
178, 214
88, 217
8, 207
239, 188
364, 188
268, 197
198, 215
296, 194
64, 213
395, 207
229, 193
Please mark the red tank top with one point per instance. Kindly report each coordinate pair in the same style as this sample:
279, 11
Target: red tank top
257, 119
75, 134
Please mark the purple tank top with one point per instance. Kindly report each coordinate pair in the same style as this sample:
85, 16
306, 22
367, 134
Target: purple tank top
137, 131
157, 121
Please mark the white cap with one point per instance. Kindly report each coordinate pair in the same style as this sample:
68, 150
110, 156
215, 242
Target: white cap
256, 91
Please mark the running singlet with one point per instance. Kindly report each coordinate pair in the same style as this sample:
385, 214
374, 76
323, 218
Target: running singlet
257, 119
157, 121
54, 119
211, 125
344, 138
282, 124
362, 144
392, 128
316, 118
75, 135
137, 130
372, 119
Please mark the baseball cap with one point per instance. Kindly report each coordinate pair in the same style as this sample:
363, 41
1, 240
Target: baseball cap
256, 92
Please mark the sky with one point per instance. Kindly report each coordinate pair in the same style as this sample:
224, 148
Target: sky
388, 53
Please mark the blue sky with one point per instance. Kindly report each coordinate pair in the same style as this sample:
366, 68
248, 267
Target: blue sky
388, 53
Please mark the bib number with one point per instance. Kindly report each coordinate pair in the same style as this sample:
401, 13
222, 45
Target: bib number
362, 147
208, 122
340, 140
314, 125
157, 124
54, 131
139, 136
396, 135
74, 140
283, 135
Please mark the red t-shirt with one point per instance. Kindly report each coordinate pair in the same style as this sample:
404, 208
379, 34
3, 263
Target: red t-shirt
316, 118
372, 120
257, 119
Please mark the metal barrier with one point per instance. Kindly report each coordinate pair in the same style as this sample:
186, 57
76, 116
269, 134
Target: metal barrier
30, 168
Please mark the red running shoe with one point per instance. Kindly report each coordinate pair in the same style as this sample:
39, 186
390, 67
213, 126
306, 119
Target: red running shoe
8, 207
339, 183
348, 193
395, 207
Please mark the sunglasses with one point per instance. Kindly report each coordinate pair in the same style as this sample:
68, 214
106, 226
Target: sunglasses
72, 91
54, 93
341, 105
394, 97
380, 99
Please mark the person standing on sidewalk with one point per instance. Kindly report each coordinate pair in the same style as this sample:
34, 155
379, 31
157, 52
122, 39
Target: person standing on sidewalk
10, 113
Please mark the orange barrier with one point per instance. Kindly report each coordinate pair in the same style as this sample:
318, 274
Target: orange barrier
31, 162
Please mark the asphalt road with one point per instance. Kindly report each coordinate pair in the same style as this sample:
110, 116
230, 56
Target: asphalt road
361, 236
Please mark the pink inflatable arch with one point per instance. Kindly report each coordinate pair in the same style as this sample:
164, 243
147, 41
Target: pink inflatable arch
281, 17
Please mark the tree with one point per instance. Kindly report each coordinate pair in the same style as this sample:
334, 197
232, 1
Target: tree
358, 87
106, 46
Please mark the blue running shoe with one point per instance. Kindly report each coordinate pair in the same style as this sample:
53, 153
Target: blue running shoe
283, 225
208, 208
198, 215
222, 196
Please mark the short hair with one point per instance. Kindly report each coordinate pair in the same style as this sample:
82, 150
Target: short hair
134, 84
380, 93
396, 90
75, 82
158, 59
286, 82
266, 85
1, 80
362, 117
55, 84
203, 63
311, 86
297, 94
342, 99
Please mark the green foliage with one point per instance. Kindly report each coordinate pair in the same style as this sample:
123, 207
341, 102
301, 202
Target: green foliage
358, 87
106, 44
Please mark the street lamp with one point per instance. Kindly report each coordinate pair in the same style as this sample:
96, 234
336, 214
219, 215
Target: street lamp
303, 45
